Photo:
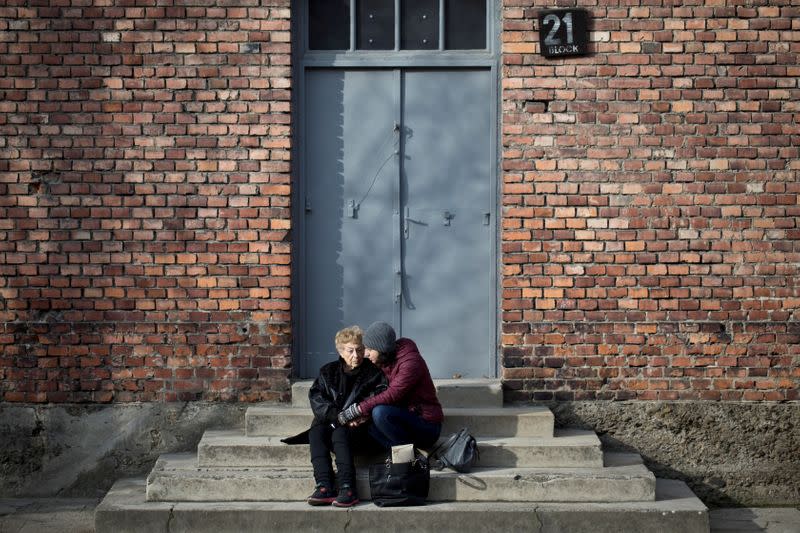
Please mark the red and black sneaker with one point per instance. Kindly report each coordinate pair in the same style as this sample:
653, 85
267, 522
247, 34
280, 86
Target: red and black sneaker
347, 497
323, 495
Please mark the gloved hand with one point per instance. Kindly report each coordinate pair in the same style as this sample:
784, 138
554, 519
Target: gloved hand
349, 414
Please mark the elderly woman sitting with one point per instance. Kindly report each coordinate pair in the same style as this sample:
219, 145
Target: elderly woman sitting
340, 384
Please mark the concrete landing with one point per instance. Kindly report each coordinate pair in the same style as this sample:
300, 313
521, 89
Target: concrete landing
76, 515
453, 393
675, 509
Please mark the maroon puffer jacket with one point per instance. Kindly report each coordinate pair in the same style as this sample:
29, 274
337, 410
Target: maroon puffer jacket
410, 385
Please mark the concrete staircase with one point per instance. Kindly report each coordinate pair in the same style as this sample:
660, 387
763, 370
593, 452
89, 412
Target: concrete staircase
530, 478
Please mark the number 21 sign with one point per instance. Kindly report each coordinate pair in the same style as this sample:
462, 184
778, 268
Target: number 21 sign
564, 32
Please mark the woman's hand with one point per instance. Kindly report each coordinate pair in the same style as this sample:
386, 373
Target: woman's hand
358, 421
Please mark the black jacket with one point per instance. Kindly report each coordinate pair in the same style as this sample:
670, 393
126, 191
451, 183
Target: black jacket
330, 394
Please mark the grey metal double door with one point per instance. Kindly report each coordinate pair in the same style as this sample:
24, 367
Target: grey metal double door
399, 212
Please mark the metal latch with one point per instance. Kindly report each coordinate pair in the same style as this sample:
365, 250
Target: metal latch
407, 219
447, 216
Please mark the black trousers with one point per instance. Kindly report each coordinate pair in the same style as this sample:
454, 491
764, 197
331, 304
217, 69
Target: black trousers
343, 442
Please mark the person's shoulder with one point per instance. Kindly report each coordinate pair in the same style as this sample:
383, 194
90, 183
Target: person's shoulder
329, 368
406, 348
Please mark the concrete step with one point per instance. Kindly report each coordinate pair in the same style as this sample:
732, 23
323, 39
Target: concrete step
176, 477
675, 508
569, 448
533, 421
451, 392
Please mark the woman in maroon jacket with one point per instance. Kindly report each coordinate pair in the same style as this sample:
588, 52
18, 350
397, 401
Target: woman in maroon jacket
408, 411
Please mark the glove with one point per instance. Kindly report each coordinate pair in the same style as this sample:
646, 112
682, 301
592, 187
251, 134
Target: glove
349, 414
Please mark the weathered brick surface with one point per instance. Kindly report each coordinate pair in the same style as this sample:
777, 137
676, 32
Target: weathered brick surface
650, 200
144, 200
649, 195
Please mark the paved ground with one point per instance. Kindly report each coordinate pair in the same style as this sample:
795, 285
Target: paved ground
67, 515
771, 520
77, 516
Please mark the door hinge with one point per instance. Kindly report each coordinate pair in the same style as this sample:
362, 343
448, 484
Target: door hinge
486, 218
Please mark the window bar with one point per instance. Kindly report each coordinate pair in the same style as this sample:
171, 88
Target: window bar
396, 25
352, 25
441, 25
489, 26
305, 27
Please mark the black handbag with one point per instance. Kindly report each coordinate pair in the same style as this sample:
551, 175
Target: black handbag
459, 452
401, 484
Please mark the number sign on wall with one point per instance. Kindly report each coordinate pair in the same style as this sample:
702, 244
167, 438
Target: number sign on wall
564, 32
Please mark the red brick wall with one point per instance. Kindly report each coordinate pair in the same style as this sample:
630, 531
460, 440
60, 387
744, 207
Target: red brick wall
144, 200
650, 200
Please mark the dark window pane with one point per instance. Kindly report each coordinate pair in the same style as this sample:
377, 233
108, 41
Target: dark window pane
375, 29
329, 24
465, 25
419, 22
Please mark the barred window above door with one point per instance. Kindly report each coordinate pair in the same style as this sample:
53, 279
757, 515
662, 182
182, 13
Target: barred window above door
362, 25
